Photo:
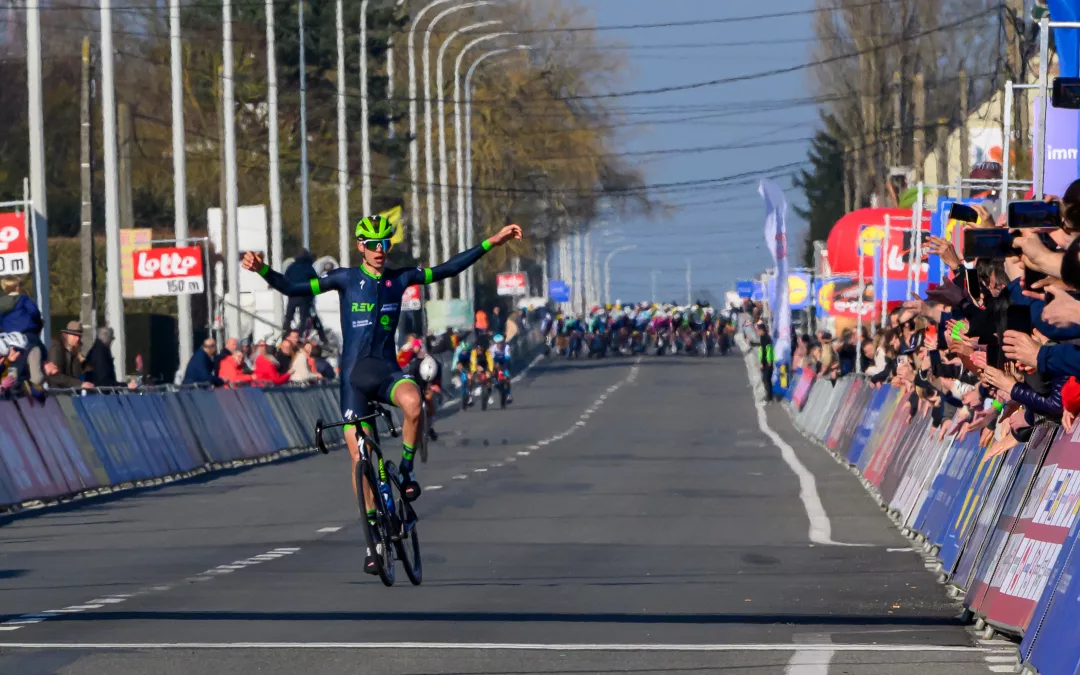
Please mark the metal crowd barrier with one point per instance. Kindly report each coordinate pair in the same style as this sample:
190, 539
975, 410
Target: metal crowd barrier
75, 444
1003, 529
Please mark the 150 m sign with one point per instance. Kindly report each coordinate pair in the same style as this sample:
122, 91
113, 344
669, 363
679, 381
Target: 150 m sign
168, 271
14, 248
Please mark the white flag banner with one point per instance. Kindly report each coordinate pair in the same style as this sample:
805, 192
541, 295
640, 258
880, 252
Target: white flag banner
776, 240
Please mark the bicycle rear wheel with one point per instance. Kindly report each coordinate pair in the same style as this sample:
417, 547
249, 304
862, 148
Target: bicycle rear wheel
378, 537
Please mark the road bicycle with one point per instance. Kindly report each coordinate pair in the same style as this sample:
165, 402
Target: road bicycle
394, 530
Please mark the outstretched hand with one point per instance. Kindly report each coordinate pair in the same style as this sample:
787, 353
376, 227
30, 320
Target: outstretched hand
253, 261
506, 234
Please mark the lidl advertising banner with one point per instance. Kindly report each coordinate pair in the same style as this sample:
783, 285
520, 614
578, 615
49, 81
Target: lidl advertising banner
798, 290
167, 271
14, 246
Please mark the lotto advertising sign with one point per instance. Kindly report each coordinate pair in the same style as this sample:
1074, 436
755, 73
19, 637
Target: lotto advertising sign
168, 271
14, 247
510, 284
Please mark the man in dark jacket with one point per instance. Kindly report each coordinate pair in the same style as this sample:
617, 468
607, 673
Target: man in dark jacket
100, 360
765, 359
300, 271
66, 361
200, 369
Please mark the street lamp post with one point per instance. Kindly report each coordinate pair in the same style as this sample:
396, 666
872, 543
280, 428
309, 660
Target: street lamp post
607, 269
429, 169
470, 274
414, 151
444, 171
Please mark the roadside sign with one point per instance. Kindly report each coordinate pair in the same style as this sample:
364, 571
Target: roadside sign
558, 290
130, 241
14, 246
410, 301
510, 284
167, 271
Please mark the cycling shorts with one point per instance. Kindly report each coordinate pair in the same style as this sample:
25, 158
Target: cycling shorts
371, 379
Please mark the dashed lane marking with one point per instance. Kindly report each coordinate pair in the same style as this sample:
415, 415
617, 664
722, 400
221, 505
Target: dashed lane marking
329, 529
117, 598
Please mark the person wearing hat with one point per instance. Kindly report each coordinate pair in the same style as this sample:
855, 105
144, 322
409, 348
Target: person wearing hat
102, 366
66, 360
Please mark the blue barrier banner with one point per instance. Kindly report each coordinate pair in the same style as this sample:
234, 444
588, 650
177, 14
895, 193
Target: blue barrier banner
270, 421
948, 485
245, 423
986, 567
285, 416
81, 438
50, 430
209, 437
30, 477
905, 467
256, 420
1052, 645
867, 424
188, 450
227, 445
145, 428
962, 516
988, 516
104, 438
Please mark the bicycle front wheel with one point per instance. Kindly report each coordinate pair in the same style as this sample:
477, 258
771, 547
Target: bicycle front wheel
379, 535
407, 541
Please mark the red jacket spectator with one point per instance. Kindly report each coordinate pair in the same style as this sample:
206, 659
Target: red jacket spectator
266, 371
231, 371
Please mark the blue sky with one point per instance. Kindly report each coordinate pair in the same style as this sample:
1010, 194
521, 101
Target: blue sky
723, 240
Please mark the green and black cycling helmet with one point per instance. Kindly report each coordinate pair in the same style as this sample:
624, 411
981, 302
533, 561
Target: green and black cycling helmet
375, 227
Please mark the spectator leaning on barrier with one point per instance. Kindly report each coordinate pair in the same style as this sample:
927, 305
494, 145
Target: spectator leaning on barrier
766, 358
231, 369
101, 365
66, 360
266, 368
200, 369
20, 314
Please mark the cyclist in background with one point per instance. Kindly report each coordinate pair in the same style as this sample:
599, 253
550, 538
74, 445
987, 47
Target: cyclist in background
500, 360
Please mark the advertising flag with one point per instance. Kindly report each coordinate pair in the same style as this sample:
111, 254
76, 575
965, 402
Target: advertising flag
776, 240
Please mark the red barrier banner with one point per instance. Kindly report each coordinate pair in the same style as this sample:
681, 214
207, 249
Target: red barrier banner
802, 388
894, 433
843, 414
1038, 538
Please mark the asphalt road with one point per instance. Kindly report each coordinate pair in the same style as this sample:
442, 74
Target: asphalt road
621, 516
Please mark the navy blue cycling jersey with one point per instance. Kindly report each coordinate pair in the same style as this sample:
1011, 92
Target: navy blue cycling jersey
371, 303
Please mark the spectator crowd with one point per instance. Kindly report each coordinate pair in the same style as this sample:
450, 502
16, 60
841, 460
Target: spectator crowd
992, 350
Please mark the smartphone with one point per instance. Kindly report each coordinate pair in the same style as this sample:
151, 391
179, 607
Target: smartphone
1018, 318
991, 243
1034, 214
1066, 93
935, 362
963, 213
993, 354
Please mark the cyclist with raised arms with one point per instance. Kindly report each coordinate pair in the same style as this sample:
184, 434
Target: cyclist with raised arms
370, 307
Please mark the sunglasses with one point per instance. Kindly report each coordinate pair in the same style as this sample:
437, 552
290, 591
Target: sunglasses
375, 244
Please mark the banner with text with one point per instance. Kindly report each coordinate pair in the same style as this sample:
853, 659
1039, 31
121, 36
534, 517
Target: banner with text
14, 247
167, 271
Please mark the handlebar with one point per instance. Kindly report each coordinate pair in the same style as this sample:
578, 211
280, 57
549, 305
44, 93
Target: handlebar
380, 411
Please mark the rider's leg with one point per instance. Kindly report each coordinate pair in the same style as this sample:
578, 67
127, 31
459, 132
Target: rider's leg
353, 444
406, 395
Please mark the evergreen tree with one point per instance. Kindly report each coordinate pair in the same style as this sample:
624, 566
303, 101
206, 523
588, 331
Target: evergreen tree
823, 185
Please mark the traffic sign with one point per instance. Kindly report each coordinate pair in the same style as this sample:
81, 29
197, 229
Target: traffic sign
559, 290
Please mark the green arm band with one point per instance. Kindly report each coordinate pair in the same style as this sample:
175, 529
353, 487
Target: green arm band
264, 270
315, 288
997, 405
487, 245
428, 275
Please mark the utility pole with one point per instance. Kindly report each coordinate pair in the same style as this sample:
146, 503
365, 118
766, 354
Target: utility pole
689, 277
343, 145
86, 174
40, 219
965, 159
919, 135
365, 141
305, 215
114, 300
277, 254
897, 144
127, 207
232, 259
180, 224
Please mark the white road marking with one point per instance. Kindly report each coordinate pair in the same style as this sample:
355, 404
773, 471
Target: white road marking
329, 529
460, 476
820, 526
898, 550
810, 662
1002, 669
5, 627
1011, 658
479, 470
523, 453
433, 487
495, 646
